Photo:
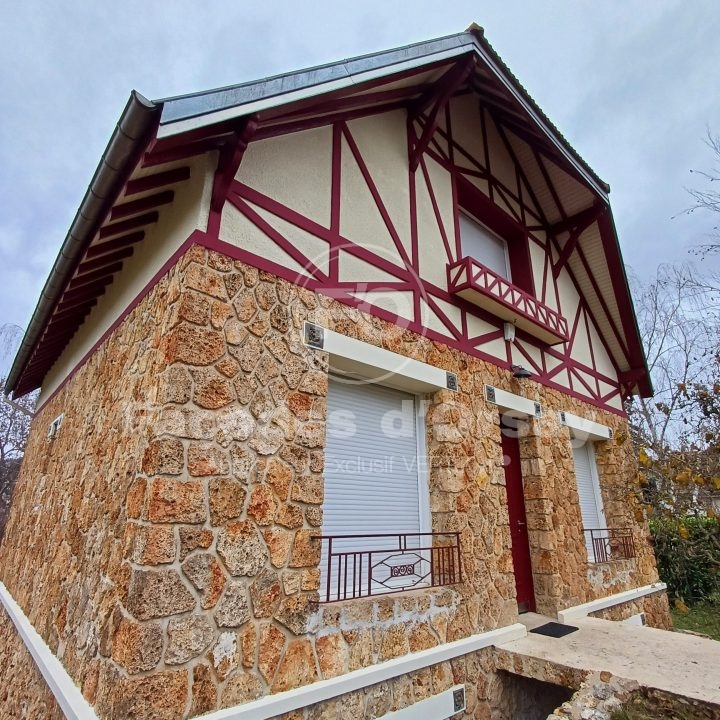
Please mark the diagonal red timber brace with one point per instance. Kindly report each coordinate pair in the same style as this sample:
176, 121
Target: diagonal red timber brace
437, 99
231, 156
577, 224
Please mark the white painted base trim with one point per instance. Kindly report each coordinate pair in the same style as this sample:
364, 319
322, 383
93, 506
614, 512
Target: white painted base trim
284, 702
67, 694
579, 611
437, 707
75, 707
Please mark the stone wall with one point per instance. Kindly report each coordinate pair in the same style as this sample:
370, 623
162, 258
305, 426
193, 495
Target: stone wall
173, 569
474, 670
61, 556
655, 607
222, 596
562, 575
24, 693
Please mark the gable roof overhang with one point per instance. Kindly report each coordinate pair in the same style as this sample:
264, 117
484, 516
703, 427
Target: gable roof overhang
145, 156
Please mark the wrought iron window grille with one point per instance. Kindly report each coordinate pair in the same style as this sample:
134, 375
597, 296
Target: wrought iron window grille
360, 566
607, 544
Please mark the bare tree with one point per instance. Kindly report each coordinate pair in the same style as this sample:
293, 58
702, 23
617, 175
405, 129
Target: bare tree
679, 320
15, 419
707, 197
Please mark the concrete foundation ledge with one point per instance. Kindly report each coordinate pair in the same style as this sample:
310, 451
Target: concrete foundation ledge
580, 611
279, 703
76, 707
67, 694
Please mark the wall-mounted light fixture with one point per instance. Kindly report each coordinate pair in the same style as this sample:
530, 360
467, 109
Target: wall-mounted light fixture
520, 372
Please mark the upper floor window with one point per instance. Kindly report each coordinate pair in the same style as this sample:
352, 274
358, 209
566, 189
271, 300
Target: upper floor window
491, 236
483, 245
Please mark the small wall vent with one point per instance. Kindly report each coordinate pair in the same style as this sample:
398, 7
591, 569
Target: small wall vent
314, 336
459, 699
55, 426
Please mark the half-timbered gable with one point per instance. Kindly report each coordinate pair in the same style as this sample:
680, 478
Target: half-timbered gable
332, 369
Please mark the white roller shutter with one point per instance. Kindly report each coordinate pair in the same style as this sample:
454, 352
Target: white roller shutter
371, 467
484, 246
591, 508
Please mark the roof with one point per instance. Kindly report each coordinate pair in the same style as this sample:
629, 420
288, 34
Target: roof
186, 112
155, 133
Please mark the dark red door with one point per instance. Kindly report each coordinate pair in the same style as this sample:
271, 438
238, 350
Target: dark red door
518, 521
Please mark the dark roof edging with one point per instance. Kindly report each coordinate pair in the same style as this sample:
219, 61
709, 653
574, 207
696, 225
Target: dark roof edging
137, 124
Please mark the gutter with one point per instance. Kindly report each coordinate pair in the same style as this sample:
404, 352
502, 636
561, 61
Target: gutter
135, 128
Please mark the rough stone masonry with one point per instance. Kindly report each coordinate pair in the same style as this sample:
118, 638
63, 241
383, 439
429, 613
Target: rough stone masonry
162, 543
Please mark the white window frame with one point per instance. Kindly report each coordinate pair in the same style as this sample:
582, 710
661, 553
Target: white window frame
423, 473
484, 229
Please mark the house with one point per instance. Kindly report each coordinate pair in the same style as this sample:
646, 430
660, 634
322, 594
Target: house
382, 297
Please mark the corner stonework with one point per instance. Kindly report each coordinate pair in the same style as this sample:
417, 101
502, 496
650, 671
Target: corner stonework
222, 568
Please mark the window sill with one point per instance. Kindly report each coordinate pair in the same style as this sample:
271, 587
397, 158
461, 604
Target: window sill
479, 285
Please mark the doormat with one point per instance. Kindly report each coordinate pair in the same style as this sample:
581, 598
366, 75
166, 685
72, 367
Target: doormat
553, 629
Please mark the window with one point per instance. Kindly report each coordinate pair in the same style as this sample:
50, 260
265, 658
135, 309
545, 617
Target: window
375, 484
591, 505
484, 246
493, 237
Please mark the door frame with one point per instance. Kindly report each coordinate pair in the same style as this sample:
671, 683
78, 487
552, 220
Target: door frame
530, 602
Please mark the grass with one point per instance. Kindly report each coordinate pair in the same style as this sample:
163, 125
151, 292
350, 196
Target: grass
701, 618
642, 708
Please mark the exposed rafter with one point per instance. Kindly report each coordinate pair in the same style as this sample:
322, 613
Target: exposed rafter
130, 224
135, 207
105, 260
230, 158
157, 180
111, 245
437, 99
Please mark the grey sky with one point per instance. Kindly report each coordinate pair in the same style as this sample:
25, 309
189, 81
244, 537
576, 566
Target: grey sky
633, 85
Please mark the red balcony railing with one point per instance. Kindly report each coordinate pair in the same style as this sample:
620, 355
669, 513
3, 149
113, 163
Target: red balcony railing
610, 544
479, 285
358, 566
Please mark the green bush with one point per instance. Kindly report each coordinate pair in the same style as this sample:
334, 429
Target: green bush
688, 556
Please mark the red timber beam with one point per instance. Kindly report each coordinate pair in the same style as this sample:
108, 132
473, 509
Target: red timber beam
577, 224
157, 180
111, 245
622, 293
86, 291
105, 260
80, 280
438, 98
132, 224
231, 156
135, 207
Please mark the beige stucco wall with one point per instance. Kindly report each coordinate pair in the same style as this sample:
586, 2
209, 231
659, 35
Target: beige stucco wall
279, 168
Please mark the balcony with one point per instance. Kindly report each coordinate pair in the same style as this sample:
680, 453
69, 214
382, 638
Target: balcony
479, 285
359, 566
609, 544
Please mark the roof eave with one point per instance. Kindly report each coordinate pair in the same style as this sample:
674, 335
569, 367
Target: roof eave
135, 128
